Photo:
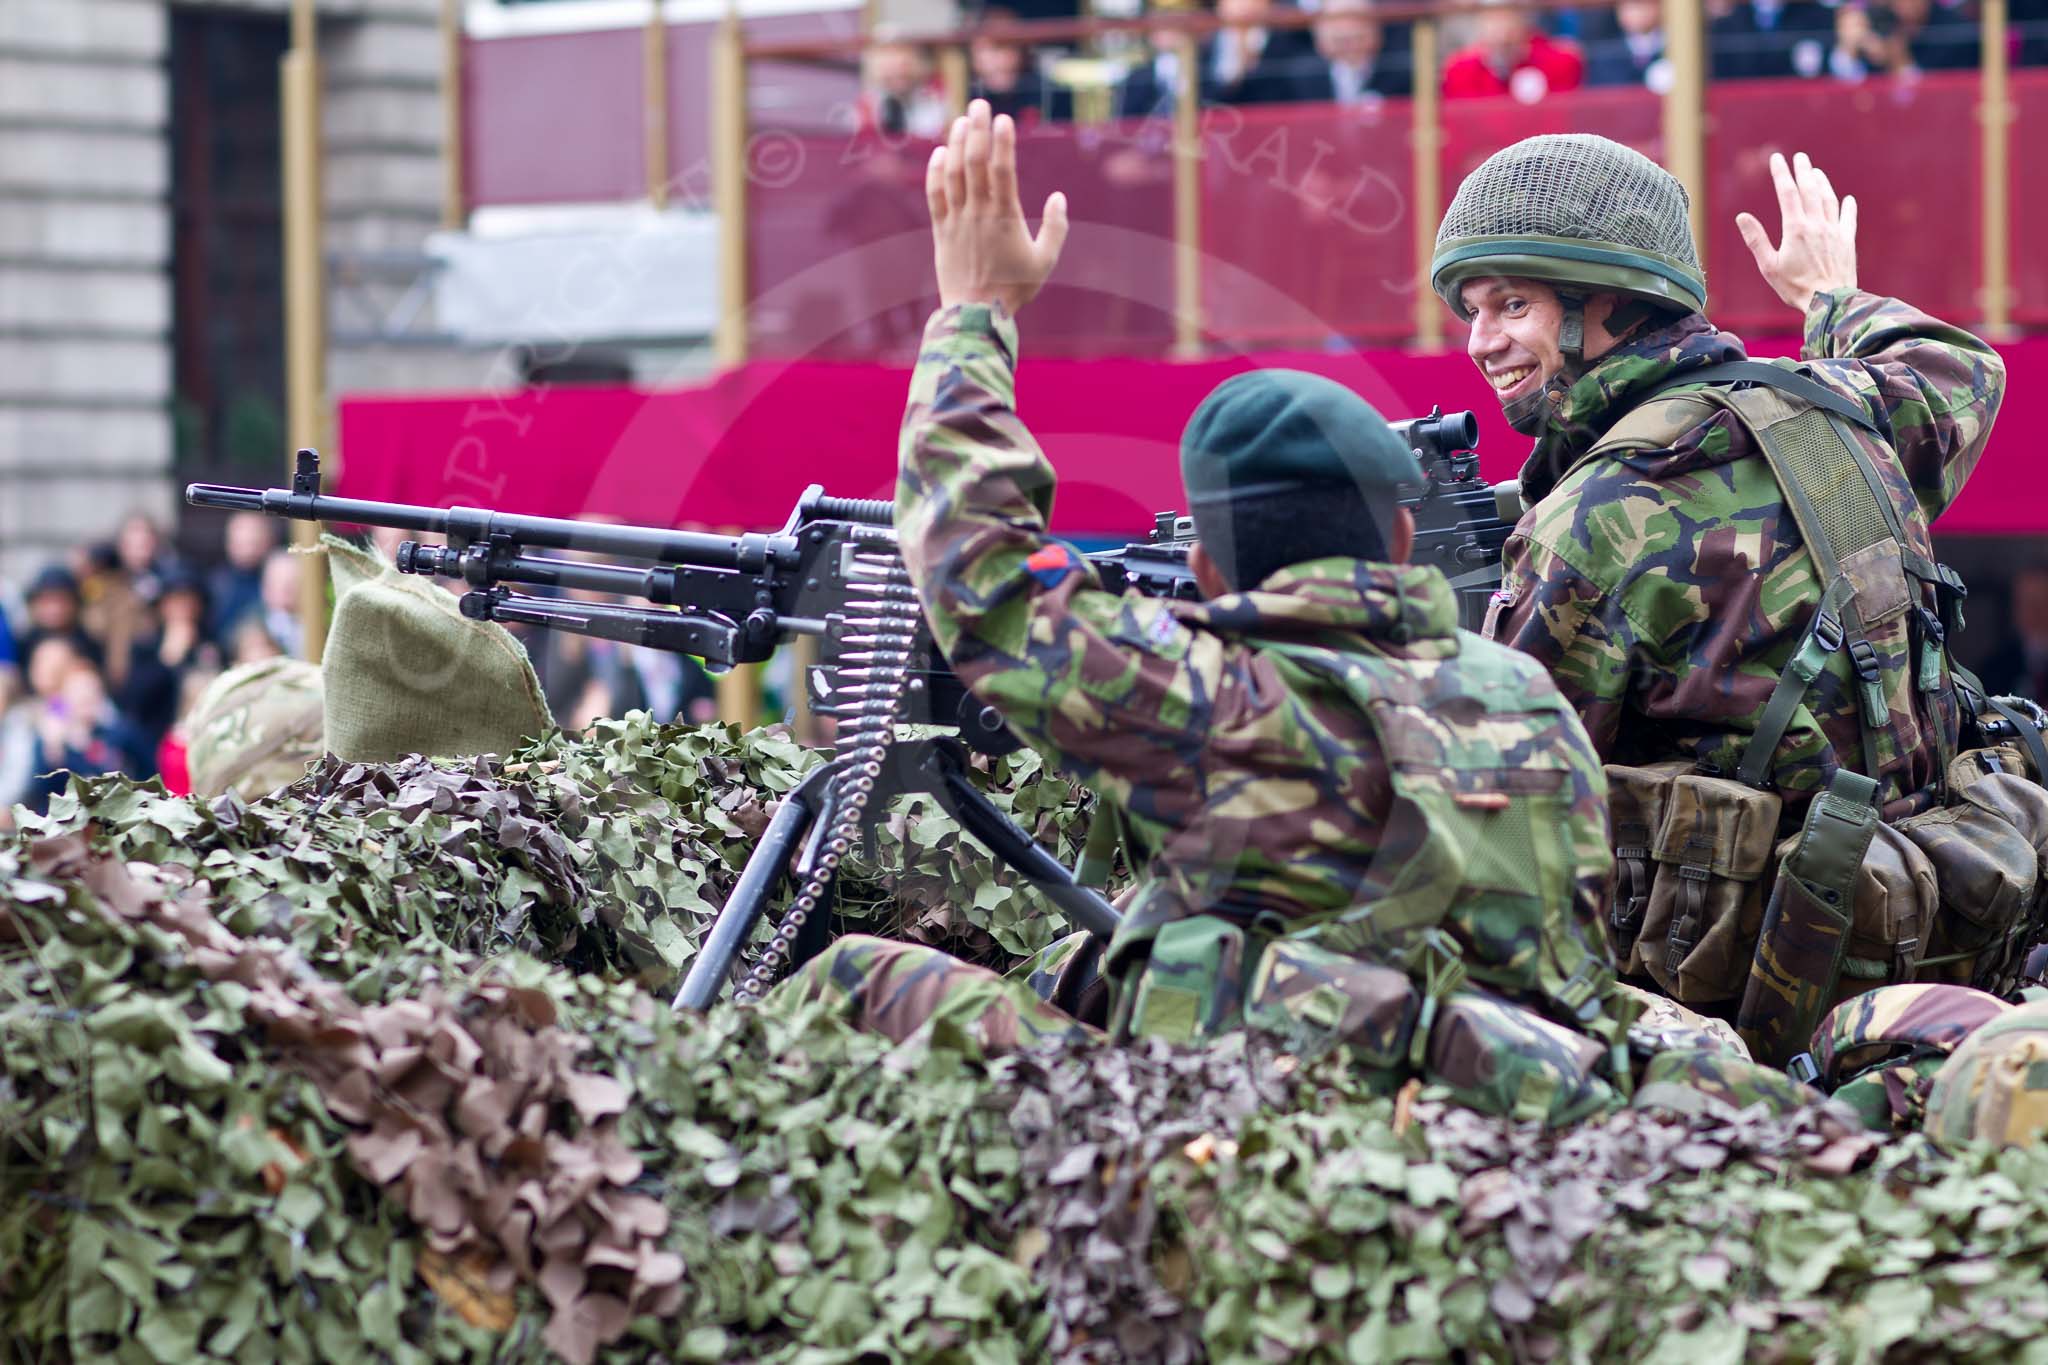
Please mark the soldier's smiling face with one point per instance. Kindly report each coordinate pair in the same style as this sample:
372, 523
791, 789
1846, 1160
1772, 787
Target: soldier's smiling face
1513, 337
1514, 333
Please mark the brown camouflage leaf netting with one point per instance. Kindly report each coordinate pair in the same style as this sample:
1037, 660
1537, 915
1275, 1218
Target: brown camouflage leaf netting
241, 1119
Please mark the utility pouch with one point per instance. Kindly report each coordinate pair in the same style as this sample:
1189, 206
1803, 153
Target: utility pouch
1635, 807
1192, 985
1503, 1058
1891, 915
1320, 998
1971, 764
1806, 928
1985, 849
1710, 856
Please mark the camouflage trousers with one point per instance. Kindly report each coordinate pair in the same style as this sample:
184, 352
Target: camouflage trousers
1490, 1053
895, 989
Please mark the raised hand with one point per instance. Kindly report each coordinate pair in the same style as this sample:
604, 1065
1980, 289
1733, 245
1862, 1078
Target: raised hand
1817, 247
983, 248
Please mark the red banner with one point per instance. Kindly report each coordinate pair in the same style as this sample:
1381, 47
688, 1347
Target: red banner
738, 450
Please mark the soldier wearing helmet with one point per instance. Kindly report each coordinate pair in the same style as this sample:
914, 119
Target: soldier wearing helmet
1725, 564
1666, 586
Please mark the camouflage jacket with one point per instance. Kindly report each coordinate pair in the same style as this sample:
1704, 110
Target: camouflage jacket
1254, 790
1667, 589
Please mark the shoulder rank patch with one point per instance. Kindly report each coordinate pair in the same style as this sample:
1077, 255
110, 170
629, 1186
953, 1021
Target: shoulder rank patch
1050, 564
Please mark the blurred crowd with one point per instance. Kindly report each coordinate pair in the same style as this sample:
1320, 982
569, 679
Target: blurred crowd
103, 653
1348, 56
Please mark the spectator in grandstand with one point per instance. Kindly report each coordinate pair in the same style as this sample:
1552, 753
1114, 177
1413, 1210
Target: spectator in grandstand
140, 552
1511, 56
111, 611
160, 661
1000, 70
1351, 63
1936, 36
901, 98
1250, 63
1867, 42
2029, 35
54, 608
1899, 37
251, 641
280, 604
1770, 39
1150, 87
235, 588
2020, 665
72, 726
1625, 46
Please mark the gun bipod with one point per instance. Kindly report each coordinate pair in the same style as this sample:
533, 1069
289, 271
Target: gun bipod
932, 766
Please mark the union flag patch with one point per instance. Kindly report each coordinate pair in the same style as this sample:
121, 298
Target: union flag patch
1051, 563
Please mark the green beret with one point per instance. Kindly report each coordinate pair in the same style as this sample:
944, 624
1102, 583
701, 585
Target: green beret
1269, 431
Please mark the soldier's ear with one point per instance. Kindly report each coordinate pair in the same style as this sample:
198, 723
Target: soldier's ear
1401, 536
1208, 577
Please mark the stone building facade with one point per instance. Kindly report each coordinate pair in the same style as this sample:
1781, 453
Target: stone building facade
103, 138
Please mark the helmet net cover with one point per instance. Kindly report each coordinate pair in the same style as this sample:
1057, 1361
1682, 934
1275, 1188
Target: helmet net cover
1575, 186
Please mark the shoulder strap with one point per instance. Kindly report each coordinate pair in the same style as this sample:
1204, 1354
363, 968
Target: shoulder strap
1780, 377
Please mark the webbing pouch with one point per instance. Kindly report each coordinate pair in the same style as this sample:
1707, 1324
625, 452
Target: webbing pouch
1192, 985
1985, 848
1635, 807
1689, 897
1805, 933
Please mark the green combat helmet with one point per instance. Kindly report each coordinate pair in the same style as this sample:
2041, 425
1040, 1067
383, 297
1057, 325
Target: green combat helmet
1572, 209
254, 729
1995, 1088
1579, 212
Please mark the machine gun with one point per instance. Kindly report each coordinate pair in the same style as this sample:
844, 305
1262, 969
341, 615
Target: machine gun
831, 573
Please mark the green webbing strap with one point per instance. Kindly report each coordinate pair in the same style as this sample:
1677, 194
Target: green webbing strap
1098, 854
1823, 639
1776, 377
2030, 735
1438, 959
1831, 848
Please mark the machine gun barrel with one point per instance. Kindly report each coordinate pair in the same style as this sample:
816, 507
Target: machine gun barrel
305, 502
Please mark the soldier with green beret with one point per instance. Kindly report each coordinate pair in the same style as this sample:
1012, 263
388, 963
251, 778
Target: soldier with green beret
1353, 821
1726, 566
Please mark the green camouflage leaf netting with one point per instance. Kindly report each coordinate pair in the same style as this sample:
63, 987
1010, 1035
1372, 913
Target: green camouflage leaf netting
251, 1112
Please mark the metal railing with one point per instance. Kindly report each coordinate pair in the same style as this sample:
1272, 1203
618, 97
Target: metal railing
1684, 127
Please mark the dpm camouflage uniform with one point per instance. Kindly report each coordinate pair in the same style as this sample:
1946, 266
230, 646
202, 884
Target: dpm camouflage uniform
1251, 782
1666, 589
254, 729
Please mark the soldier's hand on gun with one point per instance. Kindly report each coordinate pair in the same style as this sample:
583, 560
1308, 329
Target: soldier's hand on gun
1817, 247
983, 247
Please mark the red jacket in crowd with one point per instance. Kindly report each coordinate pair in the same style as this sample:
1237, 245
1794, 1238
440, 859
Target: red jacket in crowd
1558, 63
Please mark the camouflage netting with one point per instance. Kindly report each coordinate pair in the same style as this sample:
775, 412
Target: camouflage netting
250, 1117
611, 853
